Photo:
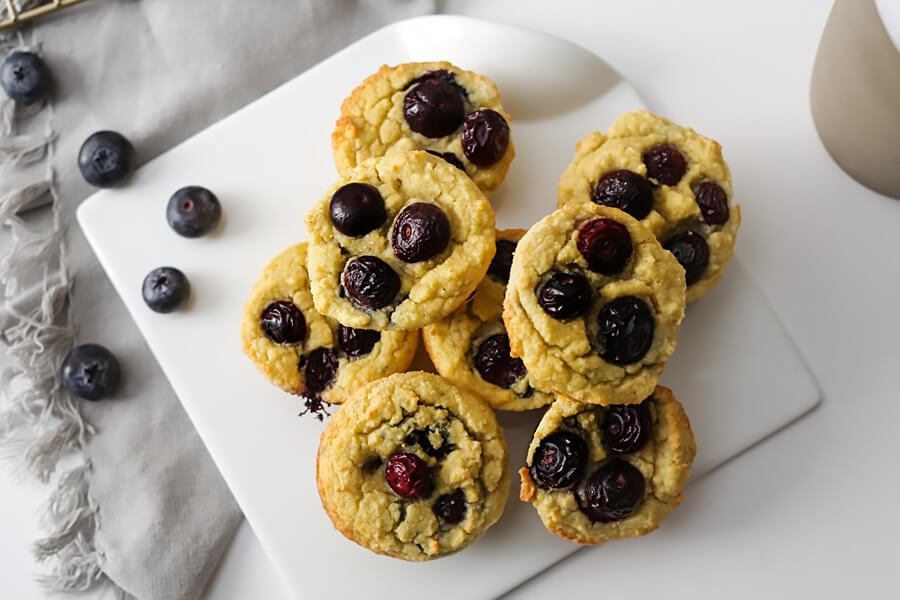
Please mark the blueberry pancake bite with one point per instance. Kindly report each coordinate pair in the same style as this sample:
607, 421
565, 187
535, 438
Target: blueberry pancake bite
398, 242
470, 347
594, 305
305, 353
670, 178
597, 474
413, 467
434, 106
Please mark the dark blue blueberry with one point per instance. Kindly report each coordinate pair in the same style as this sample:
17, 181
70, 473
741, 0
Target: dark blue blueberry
356, 342
494, 363
485, 137
612, 492
321, 370
283, 323
502, 261
606, 245
692, 252
451, 508
565, 295
166, 289
713, 202
25, 77
356, 209
625, 190
90, 371
370, 282
434, 107
625, 330
106, 159
421, 231
193, 211
665, 164
558, 460
627, 427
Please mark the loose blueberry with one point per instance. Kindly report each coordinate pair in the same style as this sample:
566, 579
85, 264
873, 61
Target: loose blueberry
25, 77
90, 371
502, 261
166, 289
193, 211
283, 323
485, 137
605, 245
371, 282
627, 427
421, 231
495, 364
321, 369
106, 159
451, 508
625, 330
713, 202
691, 252
665, 164
558, 460
356, 209
612, 492
408, 475
450, 158
356, 342
565, 295
434, 107
626, 191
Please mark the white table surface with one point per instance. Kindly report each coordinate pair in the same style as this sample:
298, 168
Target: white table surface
812, 510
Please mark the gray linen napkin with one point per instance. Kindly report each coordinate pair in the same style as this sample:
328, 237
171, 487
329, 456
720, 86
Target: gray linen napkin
159, 71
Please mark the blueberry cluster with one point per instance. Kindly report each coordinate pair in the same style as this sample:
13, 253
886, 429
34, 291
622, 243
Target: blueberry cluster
435, 107
409, 477
420, 232
624, 325
283, 323
614, 488
666, 165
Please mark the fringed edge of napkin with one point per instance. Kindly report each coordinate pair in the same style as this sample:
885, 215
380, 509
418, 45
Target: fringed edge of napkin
40, 423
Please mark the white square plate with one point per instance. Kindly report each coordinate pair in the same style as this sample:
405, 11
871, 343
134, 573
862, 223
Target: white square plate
735, 370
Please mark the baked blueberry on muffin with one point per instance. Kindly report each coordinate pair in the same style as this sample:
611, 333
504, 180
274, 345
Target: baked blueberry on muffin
413, 467
603, 473
433, 106
305, 353
471, 348
398, 242
672, 179
594, 305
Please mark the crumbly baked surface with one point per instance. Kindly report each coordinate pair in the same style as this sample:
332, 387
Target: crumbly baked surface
453, 342
430, 290
564, 356
665, 463
285, 278
674, 207
464, 449
372, 121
